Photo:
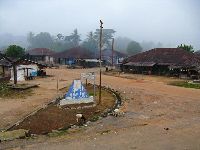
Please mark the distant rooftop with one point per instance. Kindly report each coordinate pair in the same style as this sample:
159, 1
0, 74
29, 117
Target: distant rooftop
76, 53
40, 52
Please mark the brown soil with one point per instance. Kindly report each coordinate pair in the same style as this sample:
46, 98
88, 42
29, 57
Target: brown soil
158, 116
54, 117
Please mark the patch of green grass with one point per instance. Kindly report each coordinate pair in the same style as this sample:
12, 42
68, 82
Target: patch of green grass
57, 133
185, 84
4, 89
7, 92
11, 135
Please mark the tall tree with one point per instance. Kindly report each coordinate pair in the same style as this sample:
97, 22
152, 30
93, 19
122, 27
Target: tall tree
30, 38
15, 51
59, 43
134, 48
107, 35
121, 43
41, 40
73, 39
60, 36
188, 48
90, 43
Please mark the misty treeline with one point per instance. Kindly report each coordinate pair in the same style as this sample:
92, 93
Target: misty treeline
61, 42
188, 48
125, 44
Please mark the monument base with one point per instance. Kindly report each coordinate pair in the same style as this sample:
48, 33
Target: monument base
76, 101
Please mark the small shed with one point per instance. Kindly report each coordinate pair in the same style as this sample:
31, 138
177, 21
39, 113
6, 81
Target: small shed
27, 68
25, 71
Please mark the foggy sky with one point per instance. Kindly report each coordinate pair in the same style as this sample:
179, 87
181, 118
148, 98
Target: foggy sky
168, 21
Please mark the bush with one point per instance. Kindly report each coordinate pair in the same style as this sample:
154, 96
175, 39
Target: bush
7, 92
4, 89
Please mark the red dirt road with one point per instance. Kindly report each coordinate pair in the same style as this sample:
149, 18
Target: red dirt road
158, 116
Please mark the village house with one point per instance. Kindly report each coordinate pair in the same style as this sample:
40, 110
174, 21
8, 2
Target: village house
77, 56
4, 70
163, 61
118, 57
197, 53
41, 55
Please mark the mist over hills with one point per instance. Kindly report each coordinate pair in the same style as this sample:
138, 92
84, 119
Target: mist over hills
7, 39
121, 43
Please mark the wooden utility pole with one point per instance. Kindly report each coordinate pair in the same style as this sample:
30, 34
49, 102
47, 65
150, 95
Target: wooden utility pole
112, 52
100, 46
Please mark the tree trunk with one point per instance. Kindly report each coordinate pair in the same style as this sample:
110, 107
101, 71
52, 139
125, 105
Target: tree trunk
15, 73
3, 71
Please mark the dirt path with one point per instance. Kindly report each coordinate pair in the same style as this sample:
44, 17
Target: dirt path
158, 116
